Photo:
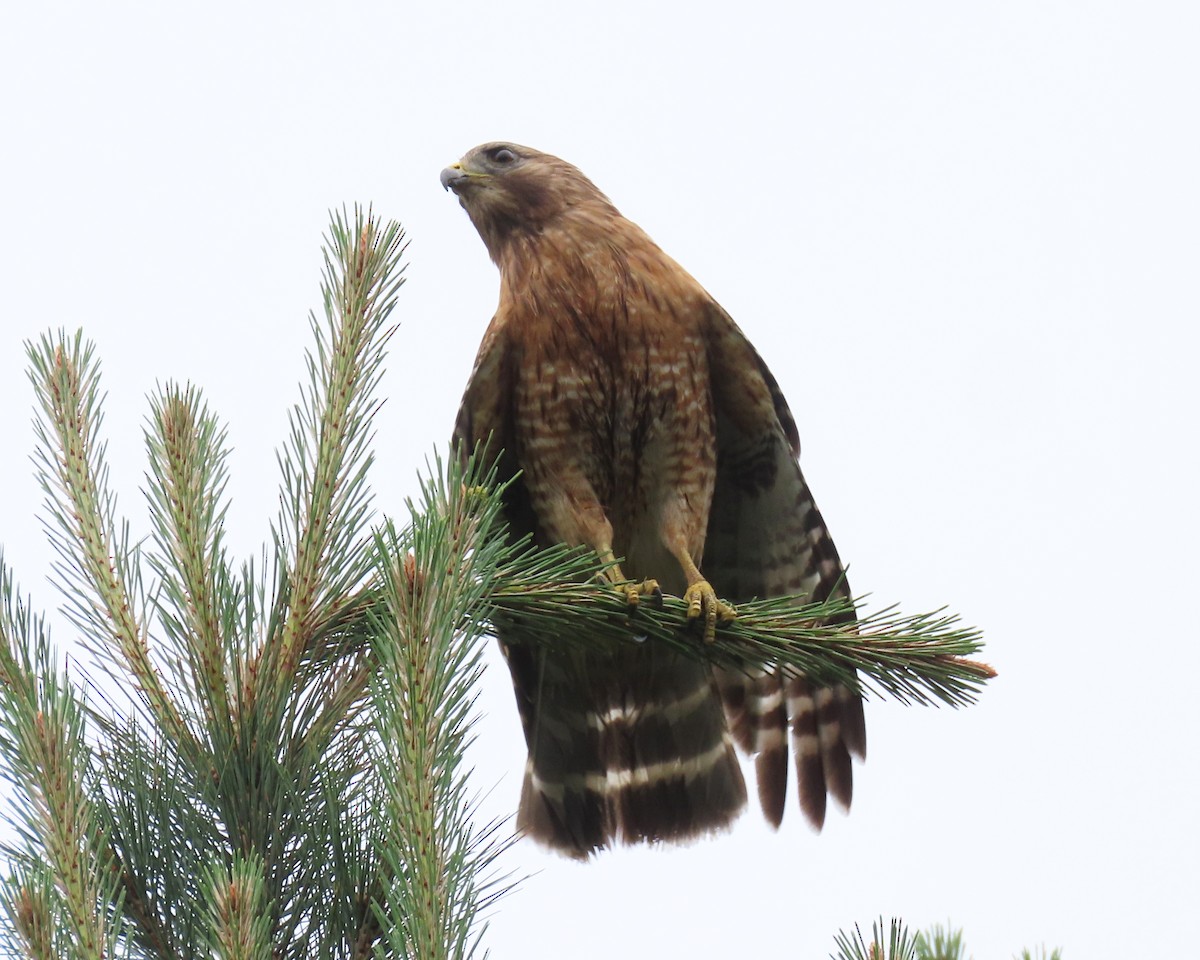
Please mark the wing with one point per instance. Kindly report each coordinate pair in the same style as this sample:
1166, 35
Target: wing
486, 419
766, 538
486, 422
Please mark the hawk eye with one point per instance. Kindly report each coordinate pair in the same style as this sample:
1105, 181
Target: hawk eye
501, 155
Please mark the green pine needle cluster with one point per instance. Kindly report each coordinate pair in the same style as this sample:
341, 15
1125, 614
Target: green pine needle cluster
936, 943
275, 765
895, 944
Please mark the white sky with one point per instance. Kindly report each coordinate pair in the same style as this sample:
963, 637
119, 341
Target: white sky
964, 236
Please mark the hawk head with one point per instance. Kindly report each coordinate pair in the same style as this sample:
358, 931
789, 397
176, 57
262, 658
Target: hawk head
508, 189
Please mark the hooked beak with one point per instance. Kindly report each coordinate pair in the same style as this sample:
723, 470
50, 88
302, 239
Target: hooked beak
453, 177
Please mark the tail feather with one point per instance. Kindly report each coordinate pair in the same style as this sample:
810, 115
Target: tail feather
806, 743
766, 538
854, 724
757, 717
623, 747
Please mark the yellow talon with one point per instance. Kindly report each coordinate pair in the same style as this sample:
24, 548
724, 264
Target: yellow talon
635, 591
632, 592
702, 599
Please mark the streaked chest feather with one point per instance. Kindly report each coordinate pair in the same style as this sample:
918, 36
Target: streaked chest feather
621, 393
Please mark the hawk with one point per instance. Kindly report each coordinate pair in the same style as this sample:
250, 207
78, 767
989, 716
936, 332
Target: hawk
639, 421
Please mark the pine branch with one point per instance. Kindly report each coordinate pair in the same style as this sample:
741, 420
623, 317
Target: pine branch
940, 943
918, 658
935, 943
186, 493
427, 649
163, 833
44, 752
241, 922
98, 571
897, 945
327, 503
558, 595
32, 903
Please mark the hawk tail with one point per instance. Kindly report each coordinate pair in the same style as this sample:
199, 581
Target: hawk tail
626, 747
